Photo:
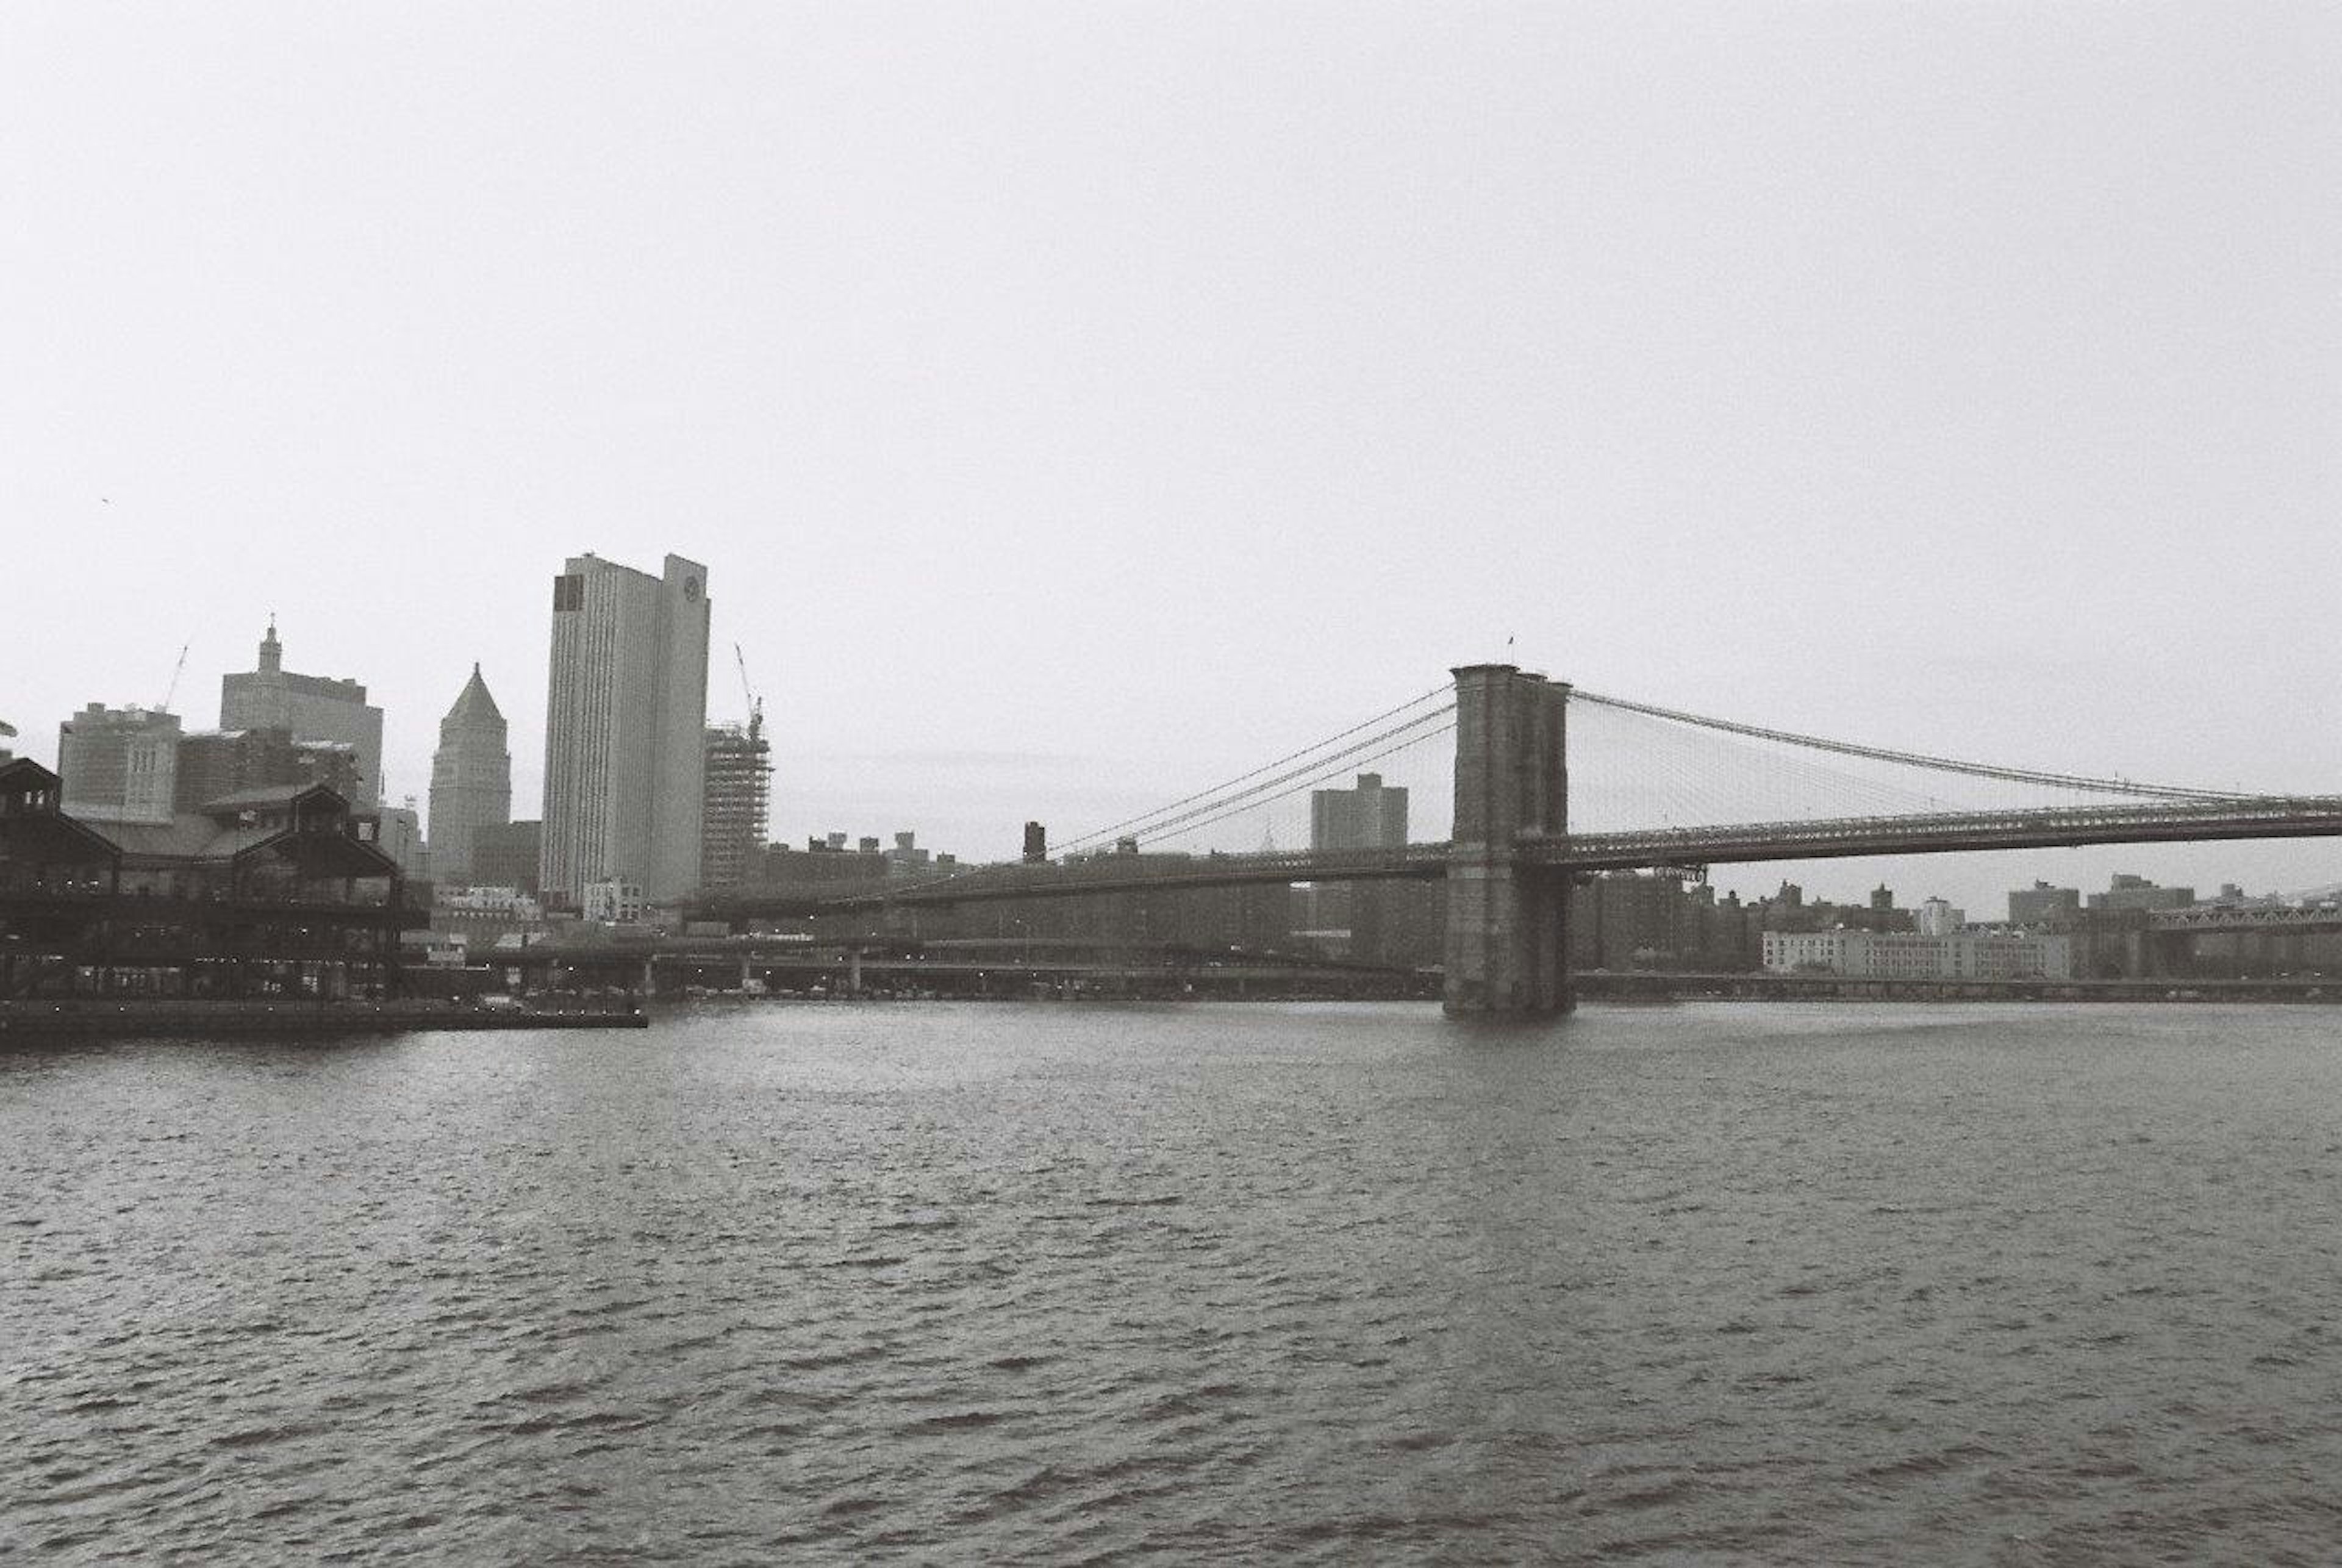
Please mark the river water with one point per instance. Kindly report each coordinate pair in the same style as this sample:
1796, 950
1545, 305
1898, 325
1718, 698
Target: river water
1342, 1284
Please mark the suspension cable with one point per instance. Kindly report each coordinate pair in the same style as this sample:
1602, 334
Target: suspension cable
985, 875
1107, 833
1267, 789
1311, 782
1913, 759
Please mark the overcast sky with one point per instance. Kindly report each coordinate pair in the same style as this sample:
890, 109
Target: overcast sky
1076, 404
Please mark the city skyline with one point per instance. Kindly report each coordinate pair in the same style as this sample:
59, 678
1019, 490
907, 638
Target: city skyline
1980, 877
1783, 378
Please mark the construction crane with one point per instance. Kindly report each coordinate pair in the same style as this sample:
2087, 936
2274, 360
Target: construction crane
755, 702
738, 794
172, 689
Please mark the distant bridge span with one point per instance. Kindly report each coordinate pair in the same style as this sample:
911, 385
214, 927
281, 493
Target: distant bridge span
1508, 867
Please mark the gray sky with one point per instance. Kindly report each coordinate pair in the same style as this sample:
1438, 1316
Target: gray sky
1077, 404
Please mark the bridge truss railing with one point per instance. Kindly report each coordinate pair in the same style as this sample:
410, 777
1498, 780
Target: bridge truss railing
2247, 917
2262, 817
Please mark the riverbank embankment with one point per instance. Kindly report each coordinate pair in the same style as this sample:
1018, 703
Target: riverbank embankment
125, 1017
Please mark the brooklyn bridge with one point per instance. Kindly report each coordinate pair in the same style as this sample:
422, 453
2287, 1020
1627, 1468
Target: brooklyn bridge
1504, 738
1540, 786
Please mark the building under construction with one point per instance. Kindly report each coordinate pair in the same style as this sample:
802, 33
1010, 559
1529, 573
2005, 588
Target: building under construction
735, 816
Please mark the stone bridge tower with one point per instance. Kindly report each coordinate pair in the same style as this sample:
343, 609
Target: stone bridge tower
1507, 913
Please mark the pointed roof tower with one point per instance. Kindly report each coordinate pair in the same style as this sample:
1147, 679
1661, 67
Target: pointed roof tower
471, 781
474, 704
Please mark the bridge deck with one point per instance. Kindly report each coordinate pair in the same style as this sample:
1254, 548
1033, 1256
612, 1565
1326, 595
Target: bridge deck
1822, 838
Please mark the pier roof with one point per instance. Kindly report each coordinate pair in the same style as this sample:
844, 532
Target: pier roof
34, 827
307, 824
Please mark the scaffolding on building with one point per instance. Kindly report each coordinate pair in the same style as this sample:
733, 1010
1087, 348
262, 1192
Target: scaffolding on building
738, 805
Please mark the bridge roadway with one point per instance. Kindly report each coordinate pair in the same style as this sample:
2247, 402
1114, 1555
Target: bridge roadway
1831, 838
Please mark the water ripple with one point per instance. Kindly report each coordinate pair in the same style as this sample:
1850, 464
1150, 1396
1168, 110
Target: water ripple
1221, 1284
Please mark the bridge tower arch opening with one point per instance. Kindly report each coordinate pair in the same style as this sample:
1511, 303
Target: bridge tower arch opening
1508, 946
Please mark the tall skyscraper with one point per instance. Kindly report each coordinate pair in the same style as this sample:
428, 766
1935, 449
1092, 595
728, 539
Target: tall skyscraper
739, 790
314, 707
471, 781
119, 764
625, 720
